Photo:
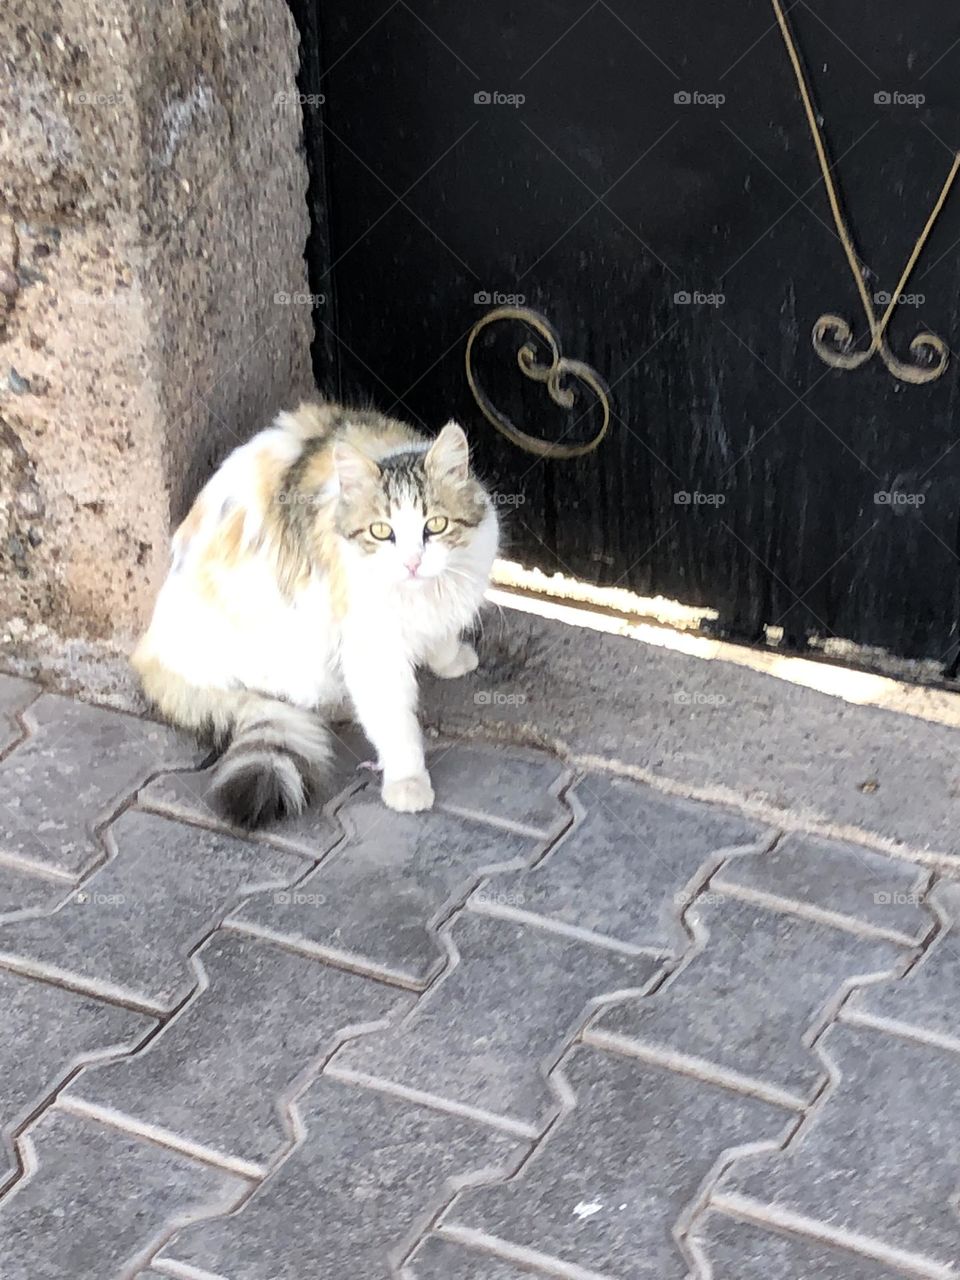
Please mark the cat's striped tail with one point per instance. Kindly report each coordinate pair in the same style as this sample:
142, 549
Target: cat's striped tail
276, 756
275, 753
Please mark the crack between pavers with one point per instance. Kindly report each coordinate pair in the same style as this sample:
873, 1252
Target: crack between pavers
21, 725
493, 1246
746, 1209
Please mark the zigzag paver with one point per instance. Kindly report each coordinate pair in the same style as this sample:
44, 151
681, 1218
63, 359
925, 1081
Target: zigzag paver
377, 900
606, 1187
15, 695
371, 1172
926, 1003
486, 1034
744, 1251
96, 1201
47, 1032
127, 933
570, 900
515, 787
76, 767
860, 889
621, 872
879, 1160
747, 1001
216, 1075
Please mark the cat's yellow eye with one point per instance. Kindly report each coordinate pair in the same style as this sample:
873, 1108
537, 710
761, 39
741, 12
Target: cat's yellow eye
436, 524
381, 531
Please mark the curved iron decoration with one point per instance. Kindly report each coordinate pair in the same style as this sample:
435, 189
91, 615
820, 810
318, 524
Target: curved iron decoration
832, 335
552, 375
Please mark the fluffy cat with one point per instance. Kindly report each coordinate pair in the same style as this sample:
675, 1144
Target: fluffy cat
327, 558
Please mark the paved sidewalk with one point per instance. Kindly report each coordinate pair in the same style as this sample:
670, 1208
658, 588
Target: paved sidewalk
564, 1025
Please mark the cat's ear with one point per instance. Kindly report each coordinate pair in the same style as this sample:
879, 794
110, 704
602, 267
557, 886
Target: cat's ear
449, 455
354, 470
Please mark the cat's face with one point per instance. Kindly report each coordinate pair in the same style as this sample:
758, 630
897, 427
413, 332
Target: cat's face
412, 516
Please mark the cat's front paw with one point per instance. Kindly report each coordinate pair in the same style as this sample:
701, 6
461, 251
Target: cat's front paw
409, 795
462, 663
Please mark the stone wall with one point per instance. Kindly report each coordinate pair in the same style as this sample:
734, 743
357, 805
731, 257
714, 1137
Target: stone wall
151, 210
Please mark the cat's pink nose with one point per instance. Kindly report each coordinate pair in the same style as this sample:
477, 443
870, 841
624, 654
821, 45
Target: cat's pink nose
412, 564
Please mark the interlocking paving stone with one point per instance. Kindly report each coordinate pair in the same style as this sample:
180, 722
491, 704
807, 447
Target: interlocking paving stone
98, 1200
926, 1001
77, 766
621, 872
183, 795
878, 1158
605, 1188
215, 1075
500, 784
745, 1002
46, 1032
127, 933
742, 1251
484, 1034
370, 1174
15, 695
20, 890
438, 1259
377, 899
845, 880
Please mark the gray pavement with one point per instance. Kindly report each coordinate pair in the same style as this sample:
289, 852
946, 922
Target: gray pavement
565, 1025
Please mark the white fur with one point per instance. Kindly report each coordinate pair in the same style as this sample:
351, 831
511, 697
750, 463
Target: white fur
258, 640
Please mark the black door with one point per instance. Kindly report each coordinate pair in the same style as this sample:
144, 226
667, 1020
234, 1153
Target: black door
646, 178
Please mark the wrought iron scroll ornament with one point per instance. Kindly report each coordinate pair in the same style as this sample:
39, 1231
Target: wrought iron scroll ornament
555, 376
832, 334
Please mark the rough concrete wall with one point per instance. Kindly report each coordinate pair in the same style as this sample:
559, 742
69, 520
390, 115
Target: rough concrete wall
151, 209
